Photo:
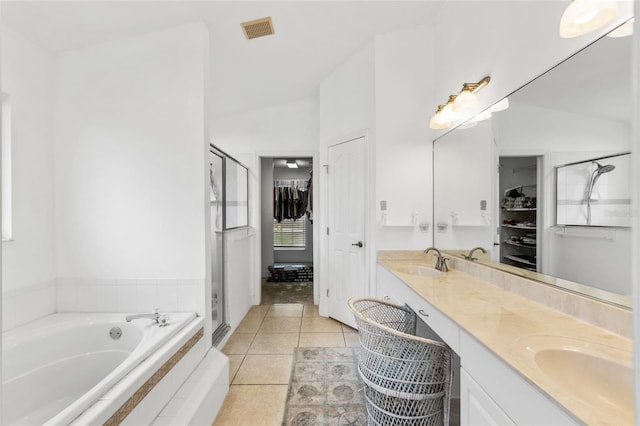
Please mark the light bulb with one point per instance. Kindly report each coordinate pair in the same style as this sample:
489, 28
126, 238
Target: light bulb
465, 101
583, 16
437, 122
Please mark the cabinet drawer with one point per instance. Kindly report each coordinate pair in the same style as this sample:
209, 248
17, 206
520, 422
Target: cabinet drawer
437, 321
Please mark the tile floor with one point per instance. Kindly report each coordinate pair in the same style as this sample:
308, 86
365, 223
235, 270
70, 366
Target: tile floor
260, 352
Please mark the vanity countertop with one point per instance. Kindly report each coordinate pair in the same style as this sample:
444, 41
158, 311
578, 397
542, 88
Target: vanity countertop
512, 327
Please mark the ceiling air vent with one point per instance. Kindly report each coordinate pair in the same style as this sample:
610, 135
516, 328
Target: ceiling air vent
258, 28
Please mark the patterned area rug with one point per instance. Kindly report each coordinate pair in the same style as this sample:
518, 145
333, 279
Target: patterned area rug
325, 388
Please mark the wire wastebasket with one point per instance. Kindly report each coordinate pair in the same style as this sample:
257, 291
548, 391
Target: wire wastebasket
407, 378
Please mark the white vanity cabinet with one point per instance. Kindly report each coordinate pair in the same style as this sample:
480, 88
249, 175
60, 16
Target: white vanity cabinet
397, 291
490, 380
476, 406
392, 287
491, 392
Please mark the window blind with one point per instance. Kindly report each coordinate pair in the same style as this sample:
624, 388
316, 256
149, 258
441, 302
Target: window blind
290, 233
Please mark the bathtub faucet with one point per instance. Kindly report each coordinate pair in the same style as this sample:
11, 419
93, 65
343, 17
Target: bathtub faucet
161, 320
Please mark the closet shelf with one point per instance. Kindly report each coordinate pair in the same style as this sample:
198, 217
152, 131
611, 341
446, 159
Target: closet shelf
519, 226
520, 260
511, 243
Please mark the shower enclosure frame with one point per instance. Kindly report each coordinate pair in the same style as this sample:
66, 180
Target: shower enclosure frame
217, 231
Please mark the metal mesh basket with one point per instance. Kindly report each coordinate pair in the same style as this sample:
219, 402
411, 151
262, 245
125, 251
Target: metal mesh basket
407, 378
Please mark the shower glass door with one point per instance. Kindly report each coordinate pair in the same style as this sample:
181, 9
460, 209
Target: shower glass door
217, 211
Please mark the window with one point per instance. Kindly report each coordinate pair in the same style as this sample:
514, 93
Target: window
290, 233
5, 154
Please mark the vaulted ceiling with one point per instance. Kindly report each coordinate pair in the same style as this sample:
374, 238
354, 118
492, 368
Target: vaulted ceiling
311, 37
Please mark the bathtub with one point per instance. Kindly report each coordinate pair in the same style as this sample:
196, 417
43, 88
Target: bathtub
56, 368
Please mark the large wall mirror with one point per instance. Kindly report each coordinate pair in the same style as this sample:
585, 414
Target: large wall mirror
543, 184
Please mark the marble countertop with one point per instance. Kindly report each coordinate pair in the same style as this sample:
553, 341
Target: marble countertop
514, 327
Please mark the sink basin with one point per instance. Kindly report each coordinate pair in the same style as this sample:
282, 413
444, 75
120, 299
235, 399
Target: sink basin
598, 375
420, 270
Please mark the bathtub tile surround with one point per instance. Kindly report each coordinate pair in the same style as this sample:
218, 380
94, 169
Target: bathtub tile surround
609, 317
127, 295
85, 375
199, 398
23, 305
142, 394
119, 416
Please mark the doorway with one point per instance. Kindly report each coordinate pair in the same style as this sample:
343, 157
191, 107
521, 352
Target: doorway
519, 226
287, 230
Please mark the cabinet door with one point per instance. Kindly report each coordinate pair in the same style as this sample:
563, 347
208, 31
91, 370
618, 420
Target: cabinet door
476, 406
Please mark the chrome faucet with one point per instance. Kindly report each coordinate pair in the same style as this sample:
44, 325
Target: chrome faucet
161, 320
470, 255
441, 262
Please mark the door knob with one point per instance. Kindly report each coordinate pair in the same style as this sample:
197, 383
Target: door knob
358, 244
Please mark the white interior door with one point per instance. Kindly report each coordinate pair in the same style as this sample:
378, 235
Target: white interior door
346, 219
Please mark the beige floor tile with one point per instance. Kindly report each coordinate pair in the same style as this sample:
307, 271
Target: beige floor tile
238, 344
326, 340
347, 329
250, 324
234, 365
320, 325
264, 370
247, 405
286, 310
274, 343
280, 325
352, 340
258, 310
310, 311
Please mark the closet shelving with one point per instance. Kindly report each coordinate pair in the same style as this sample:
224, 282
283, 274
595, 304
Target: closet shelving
518, 231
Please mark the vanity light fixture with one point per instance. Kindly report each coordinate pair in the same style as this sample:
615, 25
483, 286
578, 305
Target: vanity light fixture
484, 115
500, 106
437, 122
447, 114
583, 16
292, 164
467, 99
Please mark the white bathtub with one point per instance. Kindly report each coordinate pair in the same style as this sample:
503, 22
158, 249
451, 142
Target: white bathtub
57, 367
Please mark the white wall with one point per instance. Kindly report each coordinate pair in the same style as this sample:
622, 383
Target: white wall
279, 131
404, 93
28, 260
288, 127
464, 170
266, 215
347, 110
129, 174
